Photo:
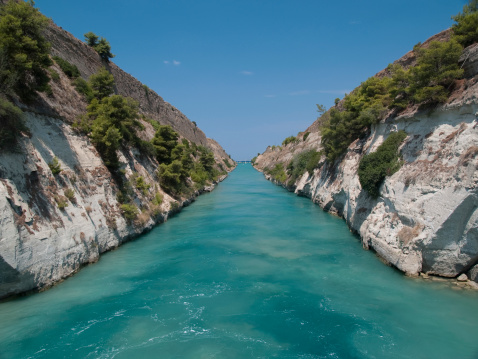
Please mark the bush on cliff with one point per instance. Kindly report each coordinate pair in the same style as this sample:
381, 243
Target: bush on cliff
164, 141
290, 139
427, 83
70, 70
129, 211
24, 51
101, 45
101, 84
11, 123
277, 172
385, 161
466, 28
365, 106
113, 121
304, 161
24, 59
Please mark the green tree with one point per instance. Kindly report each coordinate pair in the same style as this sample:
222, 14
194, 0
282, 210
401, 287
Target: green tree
164, 141
101, 84
321, 109
11, 123
70, 70
113, 120
101, 45
466, 28
104, 49
91, 39
24, 51
170, 176
436, 70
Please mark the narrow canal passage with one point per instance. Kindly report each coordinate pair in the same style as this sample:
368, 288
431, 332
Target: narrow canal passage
247, 271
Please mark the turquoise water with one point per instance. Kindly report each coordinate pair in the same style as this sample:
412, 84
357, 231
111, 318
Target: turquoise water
247, 271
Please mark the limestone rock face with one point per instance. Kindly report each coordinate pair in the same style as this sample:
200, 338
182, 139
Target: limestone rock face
426, 217
53, 224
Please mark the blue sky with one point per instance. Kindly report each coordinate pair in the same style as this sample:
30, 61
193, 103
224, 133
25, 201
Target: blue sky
250, 72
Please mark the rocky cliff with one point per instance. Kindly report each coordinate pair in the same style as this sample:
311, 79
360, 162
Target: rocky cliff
53, 224
425, 220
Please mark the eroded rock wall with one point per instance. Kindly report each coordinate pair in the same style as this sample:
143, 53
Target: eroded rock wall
426, 218
53, 224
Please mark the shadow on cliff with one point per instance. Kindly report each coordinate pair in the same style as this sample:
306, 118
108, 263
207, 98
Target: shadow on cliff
10, 279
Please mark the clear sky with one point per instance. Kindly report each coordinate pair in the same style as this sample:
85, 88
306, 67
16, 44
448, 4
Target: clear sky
250, 72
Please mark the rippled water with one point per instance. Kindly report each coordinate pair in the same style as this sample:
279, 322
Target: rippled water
248, 271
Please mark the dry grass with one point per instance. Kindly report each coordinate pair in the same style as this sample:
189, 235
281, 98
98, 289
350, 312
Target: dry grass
406, 234
452, 135
142, 219
468, 155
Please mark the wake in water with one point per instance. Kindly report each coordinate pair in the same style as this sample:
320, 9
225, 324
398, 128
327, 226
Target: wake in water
248, 271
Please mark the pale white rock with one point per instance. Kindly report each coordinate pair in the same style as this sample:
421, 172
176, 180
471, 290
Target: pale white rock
41, 244
426, 217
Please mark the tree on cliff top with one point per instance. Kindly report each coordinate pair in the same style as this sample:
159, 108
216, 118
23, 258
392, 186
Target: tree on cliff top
102, 46
466, 28
24, 51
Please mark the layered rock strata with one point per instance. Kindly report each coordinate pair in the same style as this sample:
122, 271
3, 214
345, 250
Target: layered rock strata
426, 217
51, 225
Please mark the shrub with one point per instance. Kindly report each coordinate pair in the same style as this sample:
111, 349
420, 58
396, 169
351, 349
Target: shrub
304, 161
83, 88
142, 186
429, 82
466, 28
55, 166
158, 199
170, 176
54, 75
113, 119
305, 136
101, 84
70, 194
290, 139
129, 211
101, 46
70, 70
24, 50
374, 167
365, 106
164, 141
437, 68
227, 163
11, 123
278, 173
61, 202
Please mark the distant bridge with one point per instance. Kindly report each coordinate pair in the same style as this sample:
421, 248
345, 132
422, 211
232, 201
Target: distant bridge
243, 161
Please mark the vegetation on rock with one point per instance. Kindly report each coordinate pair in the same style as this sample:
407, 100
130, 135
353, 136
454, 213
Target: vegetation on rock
302, 162
277, 172
70, 70
466, 28
55, 166
385, 161
24, 51
24, 59
427, 83
290, 139
101, 45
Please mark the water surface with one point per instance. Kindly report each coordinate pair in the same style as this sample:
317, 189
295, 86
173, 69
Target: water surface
247, 271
